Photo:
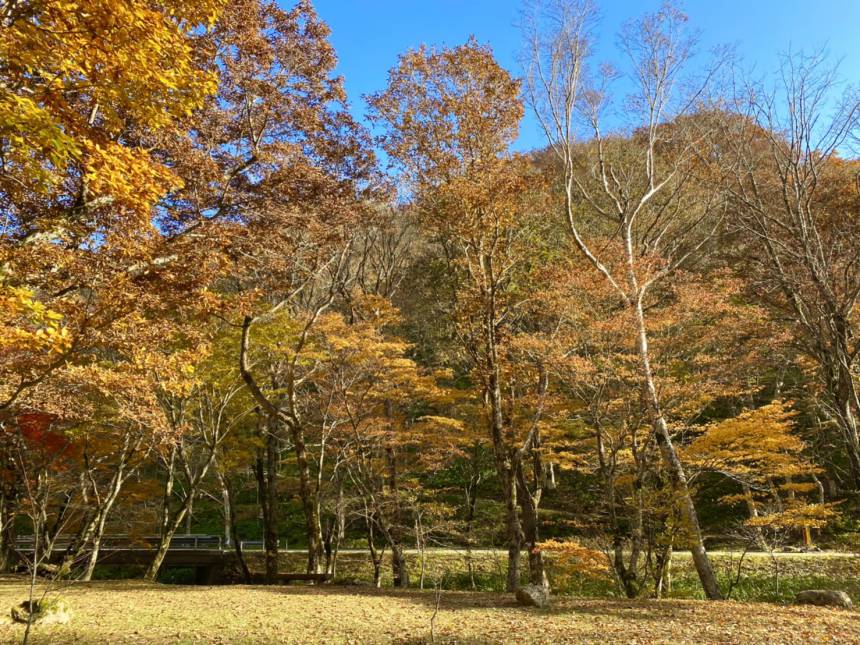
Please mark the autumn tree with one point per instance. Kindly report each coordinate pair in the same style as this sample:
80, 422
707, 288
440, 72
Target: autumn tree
636, 194
79, 84
760, 450
200, 414
707, 346
796, 203
372, 409
273, 170
450, 117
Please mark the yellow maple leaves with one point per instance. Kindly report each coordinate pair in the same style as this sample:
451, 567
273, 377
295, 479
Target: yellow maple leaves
85, 87
76, 73
27, 324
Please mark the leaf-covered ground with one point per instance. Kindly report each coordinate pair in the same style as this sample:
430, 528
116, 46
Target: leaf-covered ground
135, 612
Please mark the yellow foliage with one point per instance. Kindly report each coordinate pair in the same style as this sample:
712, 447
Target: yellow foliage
76, 72
798, 516
27, 324
758, 444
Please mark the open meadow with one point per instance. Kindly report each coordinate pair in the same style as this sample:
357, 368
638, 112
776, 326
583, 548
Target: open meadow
137, 612
352, 611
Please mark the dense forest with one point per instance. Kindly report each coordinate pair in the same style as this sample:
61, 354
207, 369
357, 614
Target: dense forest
231, 308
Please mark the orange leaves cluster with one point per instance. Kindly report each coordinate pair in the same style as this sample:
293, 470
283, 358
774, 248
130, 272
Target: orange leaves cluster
758, 443
761, 449
447, 111
570, 558
28, 324
84, 88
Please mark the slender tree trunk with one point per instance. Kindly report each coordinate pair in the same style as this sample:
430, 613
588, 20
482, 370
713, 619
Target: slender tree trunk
172, 526
98, 533
504, 460
399, 571
471, 511
505, 455
375, 555
677, 476
117, 480
189, 515
231, 532
8, 500
663, 584
338, 531
419, 545
313, 526
172, 521
155, 565
514, 529
752, 509
847, 411
529, 504
94, 553
627, 578
266, 473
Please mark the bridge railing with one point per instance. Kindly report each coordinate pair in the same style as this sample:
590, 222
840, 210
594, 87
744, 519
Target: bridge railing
258, 545
179, 542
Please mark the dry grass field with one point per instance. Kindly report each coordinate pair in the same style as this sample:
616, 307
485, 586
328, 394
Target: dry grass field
136, 612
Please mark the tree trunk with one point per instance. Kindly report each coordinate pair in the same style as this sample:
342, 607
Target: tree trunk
117, 480
399, 571
471, 511
97, 535
313, 526
172, 526
375, 555
266, 473
337, 531
514, 529
677, 476
848, 409
663, 584
8, 558
231, 530
752, 509
398, 565
171, 522
504, 466
529, 506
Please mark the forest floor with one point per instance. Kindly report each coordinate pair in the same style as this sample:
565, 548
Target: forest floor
136, 612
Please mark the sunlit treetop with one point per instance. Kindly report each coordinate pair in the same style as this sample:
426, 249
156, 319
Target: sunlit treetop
75, 75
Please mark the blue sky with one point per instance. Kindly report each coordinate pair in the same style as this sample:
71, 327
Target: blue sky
369, 34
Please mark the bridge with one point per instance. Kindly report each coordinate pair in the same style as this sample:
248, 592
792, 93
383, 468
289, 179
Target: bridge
206, 554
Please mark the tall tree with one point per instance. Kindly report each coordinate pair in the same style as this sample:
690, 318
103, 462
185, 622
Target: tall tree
80, 83
273, 173
450, 117
797, 203
637, 191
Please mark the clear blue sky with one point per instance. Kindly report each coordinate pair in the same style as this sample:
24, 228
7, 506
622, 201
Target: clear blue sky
369, 34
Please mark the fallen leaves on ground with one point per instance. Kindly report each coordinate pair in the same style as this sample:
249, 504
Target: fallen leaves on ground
136, 612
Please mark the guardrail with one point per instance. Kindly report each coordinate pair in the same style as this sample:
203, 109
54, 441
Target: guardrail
179, 542
258, 545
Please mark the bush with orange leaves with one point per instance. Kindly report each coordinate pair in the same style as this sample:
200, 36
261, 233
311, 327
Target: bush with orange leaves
570, 562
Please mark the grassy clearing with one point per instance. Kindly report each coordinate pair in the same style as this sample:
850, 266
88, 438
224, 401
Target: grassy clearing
136, 612
762, 579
